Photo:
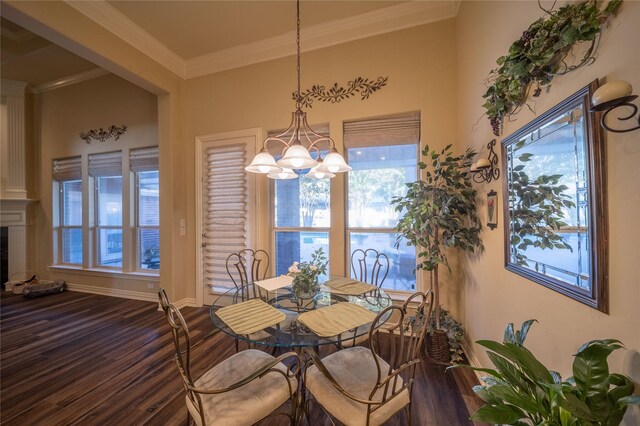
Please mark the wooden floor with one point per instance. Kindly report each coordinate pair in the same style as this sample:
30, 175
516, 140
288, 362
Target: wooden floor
83, 359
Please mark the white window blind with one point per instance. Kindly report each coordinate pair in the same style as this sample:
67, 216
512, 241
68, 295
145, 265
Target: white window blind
67, 169
402, 129
144, 159
108, 164
225, 210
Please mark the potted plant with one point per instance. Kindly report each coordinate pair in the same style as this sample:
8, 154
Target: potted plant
521, 390
305, 275
440, 213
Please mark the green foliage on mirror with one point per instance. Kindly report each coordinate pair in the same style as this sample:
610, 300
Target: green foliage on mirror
535, 209
522, 391
539, 55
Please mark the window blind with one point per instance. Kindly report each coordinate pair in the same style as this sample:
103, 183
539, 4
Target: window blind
225, 210
67, 169
107, 164
402, 129
144, 159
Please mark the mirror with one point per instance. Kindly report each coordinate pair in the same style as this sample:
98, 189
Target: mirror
554, 188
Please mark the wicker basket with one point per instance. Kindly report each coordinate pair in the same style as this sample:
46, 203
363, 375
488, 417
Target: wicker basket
438, 347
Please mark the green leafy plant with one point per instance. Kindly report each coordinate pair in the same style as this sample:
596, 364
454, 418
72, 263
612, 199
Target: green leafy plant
535, 209
305, 274
522, 391
539, 55
454, 331
440, 212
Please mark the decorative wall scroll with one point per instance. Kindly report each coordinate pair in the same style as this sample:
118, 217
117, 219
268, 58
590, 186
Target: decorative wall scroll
102, 135
335, 94
492, 209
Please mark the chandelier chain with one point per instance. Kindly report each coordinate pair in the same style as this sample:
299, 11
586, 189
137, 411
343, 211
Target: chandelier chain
298, 97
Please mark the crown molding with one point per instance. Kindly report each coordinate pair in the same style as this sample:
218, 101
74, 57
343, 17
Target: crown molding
394, 18
13, 88
113, 20
69, 80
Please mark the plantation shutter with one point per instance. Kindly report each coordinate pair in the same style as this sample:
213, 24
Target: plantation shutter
402, 129
144, 159
67, 169
225, 210
108, 164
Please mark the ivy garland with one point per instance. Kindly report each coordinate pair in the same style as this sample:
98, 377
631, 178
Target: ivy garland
539, 55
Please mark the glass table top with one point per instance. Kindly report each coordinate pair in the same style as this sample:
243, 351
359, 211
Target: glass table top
290, 333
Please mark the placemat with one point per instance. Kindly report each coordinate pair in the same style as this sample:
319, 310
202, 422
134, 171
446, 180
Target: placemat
349, 286
335, 319
250, 316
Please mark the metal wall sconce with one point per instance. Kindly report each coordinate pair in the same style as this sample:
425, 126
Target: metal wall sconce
486, 169
611, 96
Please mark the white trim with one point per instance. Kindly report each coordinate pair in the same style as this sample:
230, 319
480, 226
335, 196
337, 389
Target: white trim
252, 231
135, 276
388, 19
473, 360
13, 88
125, 294
189, 301
113, 20
69, 80
381, 21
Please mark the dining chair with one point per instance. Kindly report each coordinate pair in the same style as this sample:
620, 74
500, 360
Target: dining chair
370, 266
241, 390
356, 386
245, 267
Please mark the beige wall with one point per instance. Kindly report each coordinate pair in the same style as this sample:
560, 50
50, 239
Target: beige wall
493, 296
63, 114
420, 64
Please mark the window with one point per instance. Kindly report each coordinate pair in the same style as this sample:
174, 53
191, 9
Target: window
301, 216
107, 172
384, 155
67, 173
144, 164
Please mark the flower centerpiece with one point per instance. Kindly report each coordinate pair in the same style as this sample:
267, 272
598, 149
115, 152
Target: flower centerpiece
305, 275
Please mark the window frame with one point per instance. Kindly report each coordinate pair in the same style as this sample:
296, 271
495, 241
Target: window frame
374, 230
137, 257
97, 227
61, 223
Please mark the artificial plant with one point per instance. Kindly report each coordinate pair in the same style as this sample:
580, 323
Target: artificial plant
439, 212
539, 55
522, 391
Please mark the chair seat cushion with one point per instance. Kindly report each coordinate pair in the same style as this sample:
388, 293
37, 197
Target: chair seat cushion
245, 405
355, 370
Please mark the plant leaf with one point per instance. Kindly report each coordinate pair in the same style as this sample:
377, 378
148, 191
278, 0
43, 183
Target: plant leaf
501, 414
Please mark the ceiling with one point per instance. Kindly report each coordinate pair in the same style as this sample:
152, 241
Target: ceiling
193, 38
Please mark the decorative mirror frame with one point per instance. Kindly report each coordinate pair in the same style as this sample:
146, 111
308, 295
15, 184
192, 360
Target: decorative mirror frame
597, 203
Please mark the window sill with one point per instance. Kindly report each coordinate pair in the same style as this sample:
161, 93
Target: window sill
96, 272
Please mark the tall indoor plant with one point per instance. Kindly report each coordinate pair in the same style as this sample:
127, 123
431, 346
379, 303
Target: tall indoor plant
440, 213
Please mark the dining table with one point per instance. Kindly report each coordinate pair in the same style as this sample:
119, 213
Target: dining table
342, 310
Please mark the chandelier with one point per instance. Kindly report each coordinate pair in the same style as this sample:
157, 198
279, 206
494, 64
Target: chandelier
298, 142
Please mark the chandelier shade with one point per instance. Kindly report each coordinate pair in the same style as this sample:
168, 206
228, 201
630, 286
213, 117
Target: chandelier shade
297, 142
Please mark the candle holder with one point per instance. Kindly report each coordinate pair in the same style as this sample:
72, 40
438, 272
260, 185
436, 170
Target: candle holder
486, 169
611, 96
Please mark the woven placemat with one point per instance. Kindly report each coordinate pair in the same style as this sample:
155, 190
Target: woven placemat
336, 319
349, 286
250, 316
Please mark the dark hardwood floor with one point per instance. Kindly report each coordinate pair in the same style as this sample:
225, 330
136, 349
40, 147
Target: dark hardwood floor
83, 359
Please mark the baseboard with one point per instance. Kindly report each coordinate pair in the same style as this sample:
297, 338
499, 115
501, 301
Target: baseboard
473, 360
125, 294
189, 301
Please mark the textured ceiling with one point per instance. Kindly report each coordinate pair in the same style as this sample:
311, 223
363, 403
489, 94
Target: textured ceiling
195, 28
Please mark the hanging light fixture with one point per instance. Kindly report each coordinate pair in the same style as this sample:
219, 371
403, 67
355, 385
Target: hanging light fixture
298, 140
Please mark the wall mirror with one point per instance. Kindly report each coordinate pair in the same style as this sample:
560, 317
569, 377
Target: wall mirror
555, 201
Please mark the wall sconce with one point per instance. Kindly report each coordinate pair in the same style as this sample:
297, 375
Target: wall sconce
613, 95
486, 169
